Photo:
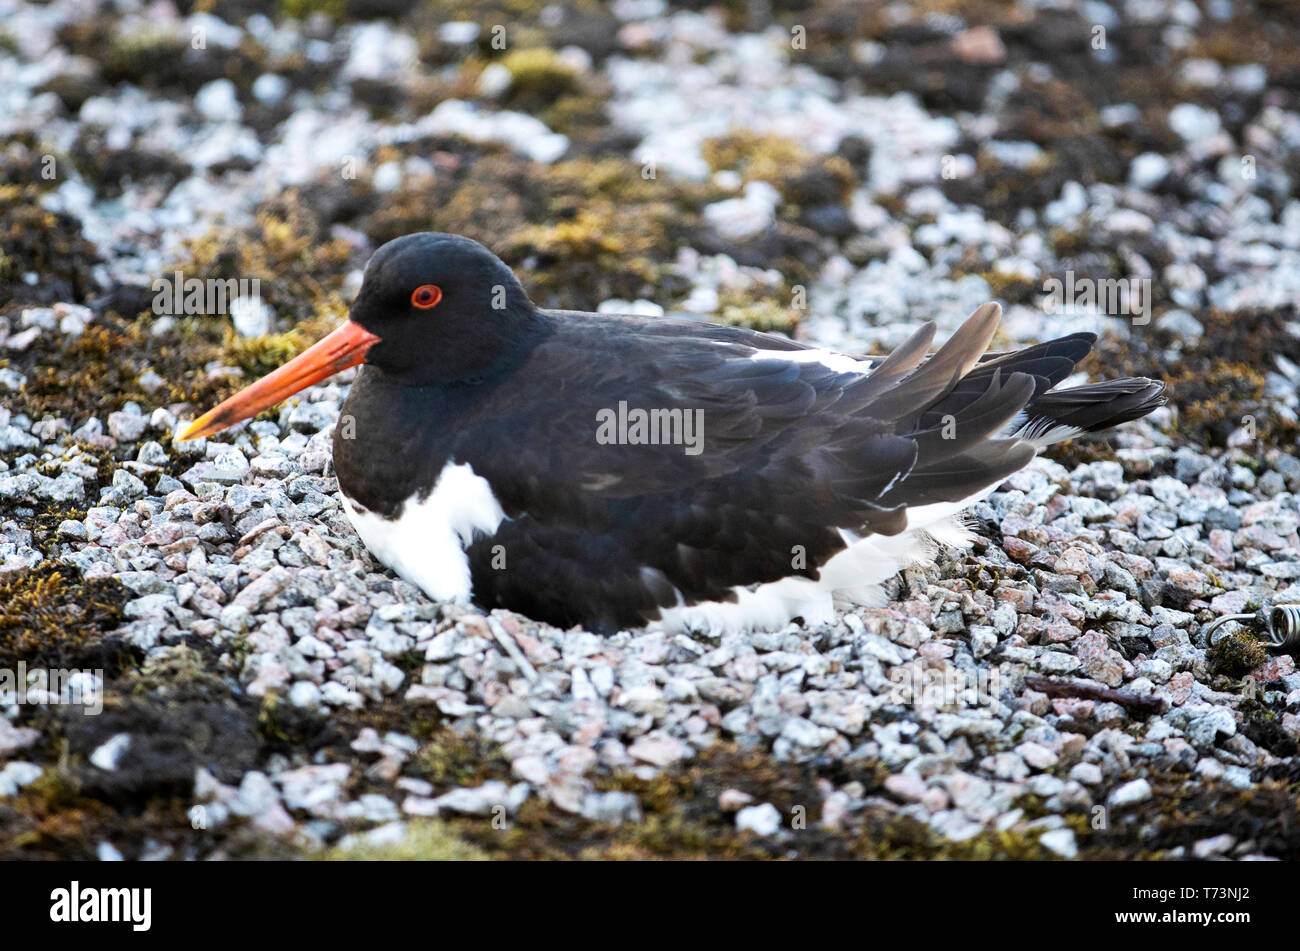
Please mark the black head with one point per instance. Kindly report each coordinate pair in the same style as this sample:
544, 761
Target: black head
445, 309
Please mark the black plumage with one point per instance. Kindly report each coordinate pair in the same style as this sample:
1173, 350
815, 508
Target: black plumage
608, 534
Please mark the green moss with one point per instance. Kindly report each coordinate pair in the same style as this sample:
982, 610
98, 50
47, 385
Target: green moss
755, 156
177, 669
54, 819
451, 759
596, 229
1209, 404
1216, 382
51, 616
97, 371
133, 56
301, 9
299, 267
1013, 288
681, 819
537, 76
241, 648
1235, 655
85, 375
1179, 815
1262, 725
572, 115
577, 232
286, 728
33, 239
802, 178
47, 819
44, 525
425, 841
257, 356
765, 315
300, 273
1066, 243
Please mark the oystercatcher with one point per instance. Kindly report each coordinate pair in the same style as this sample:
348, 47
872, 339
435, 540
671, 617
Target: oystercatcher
618, 471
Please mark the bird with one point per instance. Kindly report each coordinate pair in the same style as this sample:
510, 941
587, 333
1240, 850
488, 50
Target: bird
619, 472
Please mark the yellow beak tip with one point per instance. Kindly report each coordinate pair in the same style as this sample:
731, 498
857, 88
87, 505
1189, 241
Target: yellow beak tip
191, 432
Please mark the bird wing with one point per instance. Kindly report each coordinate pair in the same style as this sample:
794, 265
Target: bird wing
791, 454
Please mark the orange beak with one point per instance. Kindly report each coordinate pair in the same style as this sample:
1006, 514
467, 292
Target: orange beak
343, 348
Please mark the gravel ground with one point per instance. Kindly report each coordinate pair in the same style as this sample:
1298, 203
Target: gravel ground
269, 689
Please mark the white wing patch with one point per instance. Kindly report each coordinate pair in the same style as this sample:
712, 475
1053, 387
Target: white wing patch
851, 577
426, 543
1041, 432
836, 362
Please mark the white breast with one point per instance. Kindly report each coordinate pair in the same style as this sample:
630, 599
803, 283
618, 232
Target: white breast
426, 543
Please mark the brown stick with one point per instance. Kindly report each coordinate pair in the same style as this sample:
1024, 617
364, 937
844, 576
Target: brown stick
1077, 688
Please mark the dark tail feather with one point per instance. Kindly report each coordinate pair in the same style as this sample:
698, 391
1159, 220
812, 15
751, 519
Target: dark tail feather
1096, 406
1048, 363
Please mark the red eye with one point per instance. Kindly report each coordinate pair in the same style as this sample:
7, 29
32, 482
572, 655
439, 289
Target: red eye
426, 296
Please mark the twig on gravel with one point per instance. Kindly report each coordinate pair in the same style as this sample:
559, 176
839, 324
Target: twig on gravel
261, 528
1148, 706
511, 648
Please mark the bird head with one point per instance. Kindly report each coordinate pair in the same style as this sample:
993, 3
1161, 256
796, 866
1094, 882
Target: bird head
433, 309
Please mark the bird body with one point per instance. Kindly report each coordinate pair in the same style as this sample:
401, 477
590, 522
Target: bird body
618, 471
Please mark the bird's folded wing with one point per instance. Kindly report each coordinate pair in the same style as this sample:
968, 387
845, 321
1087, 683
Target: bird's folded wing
740, 426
